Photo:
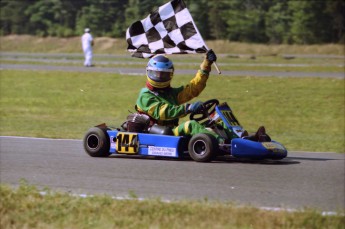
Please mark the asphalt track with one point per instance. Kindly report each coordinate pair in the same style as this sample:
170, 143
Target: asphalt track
301, 180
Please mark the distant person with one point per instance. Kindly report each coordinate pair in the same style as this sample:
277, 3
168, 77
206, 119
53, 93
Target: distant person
87, 43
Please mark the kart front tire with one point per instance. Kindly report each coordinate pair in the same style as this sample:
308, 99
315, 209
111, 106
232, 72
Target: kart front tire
96, 142
203, 147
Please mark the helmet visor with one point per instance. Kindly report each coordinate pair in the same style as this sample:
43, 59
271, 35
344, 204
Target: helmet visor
160, 76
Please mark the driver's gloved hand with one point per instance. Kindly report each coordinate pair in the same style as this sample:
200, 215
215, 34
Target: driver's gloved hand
211, 56
194, 107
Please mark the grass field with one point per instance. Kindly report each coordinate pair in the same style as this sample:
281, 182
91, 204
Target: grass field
25, 207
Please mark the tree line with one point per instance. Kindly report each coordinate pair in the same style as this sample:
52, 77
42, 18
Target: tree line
255, 21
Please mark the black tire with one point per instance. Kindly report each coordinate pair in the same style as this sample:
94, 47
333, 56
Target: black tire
203, 147
96, 142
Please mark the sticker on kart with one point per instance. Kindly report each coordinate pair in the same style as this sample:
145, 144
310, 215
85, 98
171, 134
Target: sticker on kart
274, 147
127, 143
230, 117
162, 151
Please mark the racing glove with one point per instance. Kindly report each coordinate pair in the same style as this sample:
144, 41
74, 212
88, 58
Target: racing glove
209, 59
211, 56
194, 107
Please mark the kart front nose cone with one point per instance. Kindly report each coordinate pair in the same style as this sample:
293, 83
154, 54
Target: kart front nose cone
242, 148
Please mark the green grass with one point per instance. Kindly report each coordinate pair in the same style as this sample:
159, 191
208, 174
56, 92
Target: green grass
303, 113
25, 207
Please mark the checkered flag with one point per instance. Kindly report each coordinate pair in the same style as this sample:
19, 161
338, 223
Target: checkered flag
170, 29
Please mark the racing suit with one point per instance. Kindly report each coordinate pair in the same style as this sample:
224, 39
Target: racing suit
166, 106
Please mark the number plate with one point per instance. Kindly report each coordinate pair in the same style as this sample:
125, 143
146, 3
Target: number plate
127, 143
230, 118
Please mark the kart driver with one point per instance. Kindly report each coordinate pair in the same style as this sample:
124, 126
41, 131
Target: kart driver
165, 104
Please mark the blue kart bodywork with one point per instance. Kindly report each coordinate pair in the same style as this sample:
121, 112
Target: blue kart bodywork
103, 141
146, 144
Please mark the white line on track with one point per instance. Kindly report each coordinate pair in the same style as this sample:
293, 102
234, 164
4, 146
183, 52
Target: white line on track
46, 139
274, 209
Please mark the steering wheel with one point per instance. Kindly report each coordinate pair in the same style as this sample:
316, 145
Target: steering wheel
207, 109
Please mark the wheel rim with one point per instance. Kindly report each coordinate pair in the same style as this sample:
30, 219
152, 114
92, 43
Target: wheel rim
93, 141
199, 147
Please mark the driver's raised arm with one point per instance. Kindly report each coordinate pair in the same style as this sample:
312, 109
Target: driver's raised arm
198, 83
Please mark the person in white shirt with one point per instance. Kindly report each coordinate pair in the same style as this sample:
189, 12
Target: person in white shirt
87, 43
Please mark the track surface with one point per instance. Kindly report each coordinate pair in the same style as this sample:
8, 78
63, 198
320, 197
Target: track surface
301, 180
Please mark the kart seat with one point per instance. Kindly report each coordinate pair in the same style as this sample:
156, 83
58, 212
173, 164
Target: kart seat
162, 130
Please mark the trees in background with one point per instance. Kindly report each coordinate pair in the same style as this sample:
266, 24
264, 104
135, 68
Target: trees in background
259, 21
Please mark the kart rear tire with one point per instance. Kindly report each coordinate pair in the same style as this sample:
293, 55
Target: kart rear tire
96, 142
203, 147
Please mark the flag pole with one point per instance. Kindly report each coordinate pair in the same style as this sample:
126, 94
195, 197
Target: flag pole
215, 63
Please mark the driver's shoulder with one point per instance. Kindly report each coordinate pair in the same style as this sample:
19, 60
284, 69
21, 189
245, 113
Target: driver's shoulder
146, 94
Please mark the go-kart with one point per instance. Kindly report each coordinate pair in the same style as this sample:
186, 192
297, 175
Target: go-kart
158, 141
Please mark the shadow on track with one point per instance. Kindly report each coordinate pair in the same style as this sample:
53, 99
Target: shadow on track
313, 159
218, 160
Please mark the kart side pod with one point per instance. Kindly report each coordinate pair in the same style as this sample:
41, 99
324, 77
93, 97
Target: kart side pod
243, 148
